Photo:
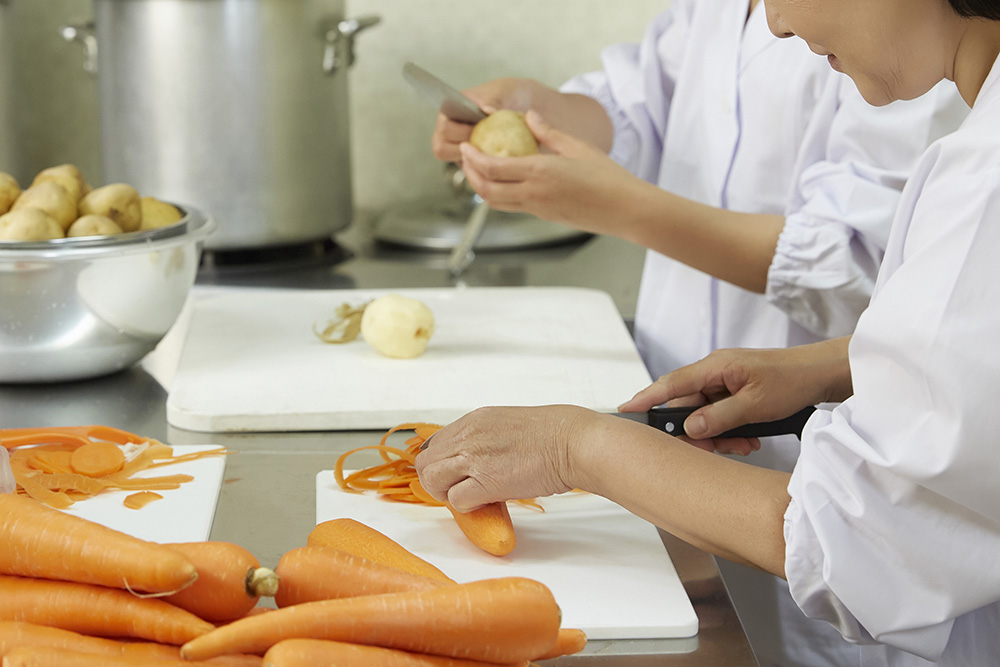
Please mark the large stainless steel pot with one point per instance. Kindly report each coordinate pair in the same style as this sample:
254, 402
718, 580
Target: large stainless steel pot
7, 134
237, 105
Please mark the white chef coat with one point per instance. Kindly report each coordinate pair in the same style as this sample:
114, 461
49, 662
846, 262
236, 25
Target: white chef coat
711, 106
893, 531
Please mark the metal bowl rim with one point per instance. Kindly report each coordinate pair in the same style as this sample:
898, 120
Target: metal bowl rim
194, 226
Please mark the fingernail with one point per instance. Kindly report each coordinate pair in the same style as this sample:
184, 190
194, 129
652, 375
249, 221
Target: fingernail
695, 425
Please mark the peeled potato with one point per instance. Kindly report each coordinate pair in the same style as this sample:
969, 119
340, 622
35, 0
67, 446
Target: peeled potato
29, 224
117, 201
93, 225
156, 213
397, 326
9, 191
504, 134
51, 198
68, 176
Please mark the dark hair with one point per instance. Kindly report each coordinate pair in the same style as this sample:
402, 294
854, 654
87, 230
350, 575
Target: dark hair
984, 9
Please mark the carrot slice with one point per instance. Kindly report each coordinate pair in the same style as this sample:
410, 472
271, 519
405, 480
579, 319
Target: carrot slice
136, 501
96, 459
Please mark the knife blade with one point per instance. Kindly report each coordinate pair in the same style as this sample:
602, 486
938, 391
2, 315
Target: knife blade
671, 420
446, 99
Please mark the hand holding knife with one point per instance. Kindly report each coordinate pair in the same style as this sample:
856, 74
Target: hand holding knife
671, 420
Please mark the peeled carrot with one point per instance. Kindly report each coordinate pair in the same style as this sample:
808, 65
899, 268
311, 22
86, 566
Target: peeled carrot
494, 620
313, 652
569, 641
308, 574
15, 634
96, 459
96, 610
43, 656
38, 541
488, 527
356, 538
230, 581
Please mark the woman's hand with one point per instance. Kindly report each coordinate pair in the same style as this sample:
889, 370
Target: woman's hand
495, 454
746, 386
571, 181
508, 93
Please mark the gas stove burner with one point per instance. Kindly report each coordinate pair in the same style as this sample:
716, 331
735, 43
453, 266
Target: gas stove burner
270, 264
319, 251
437, 223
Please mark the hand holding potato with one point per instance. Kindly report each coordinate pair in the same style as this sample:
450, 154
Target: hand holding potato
572, 182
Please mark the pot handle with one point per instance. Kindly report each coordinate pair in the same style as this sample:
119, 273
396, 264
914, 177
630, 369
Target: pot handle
84, 33
339, 39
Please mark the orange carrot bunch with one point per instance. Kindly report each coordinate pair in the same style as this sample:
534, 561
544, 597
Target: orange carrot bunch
58, 466
489, 527
71, 591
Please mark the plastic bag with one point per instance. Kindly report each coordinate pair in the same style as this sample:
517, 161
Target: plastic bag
7, 483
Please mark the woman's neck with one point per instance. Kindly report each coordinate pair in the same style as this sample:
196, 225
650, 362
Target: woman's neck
977, 51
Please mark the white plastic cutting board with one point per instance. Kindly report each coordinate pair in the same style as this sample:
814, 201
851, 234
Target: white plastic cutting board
182, 515
606, 567
251, 362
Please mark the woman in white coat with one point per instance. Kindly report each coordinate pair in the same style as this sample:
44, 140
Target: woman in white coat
764, 187
889, 527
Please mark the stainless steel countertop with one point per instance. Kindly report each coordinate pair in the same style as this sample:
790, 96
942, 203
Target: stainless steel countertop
267, 500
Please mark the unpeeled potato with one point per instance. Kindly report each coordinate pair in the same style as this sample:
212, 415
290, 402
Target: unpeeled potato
117, 201
504, 134
156, 213
9, 191
93, 225
51, 198
29, 224
68, 176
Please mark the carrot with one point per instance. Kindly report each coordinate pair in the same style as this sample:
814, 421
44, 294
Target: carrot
96, 610
495, 620
313, 652
230, 581
308, 574
43, 656
15, 634
488, 527
361, 540
136, 501
569, 641
96, 459
37, 541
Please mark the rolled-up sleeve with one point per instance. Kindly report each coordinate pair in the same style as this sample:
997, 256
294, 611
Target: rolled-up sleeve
636, 86
893, 529
851, 170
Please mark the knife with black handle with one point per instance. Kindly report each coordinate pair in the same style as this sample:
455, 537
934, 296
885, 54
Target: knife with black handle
671, 420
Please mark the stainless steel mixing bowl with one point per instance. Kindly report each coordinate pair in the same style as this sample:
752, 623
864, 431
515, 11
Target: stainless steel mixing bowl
72, 309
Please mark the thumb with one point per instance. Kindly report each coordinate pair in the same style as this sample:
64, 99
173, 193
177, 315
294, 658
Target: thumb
558, 142
719, 417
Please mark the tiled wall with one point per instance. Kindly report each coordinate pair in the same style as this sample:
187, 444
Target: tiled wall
463, 41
